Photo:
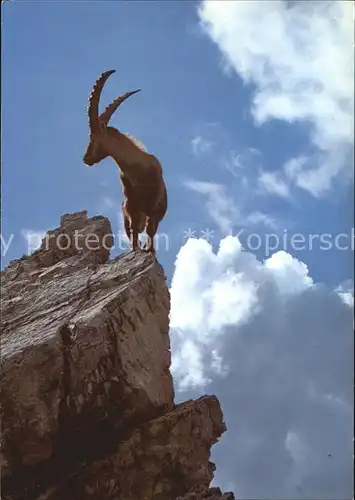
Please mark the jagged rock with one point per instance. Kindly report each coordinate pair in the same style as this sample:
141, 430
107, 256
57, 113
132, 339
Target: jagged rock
207, 494
87, 399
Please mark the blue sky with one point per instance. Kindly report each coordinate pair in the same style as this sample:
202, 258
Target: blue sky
53, 53
251, 124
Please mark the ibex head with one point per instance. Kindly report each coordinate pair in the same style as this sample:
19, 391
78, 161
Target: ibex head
97, 148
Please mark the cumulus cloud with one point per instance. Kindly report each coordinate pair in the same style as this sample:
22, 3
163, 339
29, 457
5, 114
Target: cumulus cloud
346, 292
298, 59
277, 350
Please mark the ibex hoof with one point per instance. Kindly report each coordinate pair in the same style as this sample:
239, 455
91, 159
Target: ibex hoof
149, 249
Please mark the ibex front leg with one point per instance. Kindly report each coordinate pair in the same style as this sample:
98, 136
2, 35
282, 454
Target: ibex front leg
126, 221
131, 222
134, 234
129, 226
151, 230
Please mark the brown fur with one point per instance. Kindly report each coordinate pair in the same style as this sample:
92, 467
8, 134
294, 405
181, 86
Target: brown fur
141, 175
136, 142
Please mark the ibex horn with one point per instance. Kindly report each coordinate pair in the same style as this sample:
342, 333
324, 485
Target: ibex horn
94, 99
111, 108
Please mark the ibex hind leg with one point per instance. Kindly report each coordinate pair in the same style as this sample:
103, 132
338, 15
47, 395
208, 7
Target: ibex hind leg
134, 222
126, 222
152, 227
133, 238
128, 226
132, 230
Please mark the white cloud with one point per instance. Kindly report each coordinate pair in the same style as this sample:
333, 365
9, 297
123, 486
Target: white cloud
222, 289
348, 298
293, 167
259, 218
200, 145
290, 274
346, 292
190, 353
33, 239
272, 183
277, 350
244, 164
221, 207
299, 58
223, 210
247, 174
190, 278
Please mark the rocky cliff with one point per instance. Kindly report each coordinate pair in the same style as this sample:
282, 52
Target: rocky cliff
87, 399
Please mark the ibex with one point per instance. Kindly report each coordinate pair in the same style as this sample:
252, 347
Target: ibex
141, 175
